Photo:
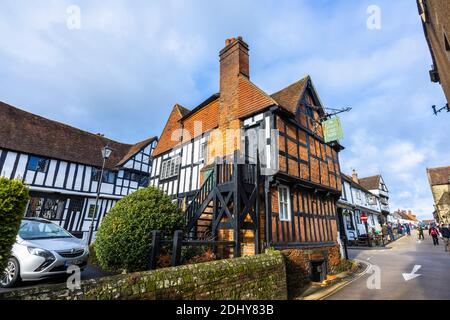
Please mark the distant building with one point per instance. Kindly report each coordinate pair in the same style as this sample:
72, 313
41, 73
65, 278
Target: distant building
356, 201
405, 217
62, 167
435, 16
376, 185
428, 222
439, 179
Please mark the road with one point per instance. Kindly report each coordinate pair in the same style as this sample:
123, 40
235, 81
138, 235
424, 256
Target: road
90, 272
406, 253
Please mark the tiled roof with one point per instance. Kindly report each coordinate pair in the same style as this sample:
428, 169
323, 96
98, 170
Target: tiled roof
370, 183
135, 149
289, 97
26, 132
168, 140
251, 98
350, 180
438, 176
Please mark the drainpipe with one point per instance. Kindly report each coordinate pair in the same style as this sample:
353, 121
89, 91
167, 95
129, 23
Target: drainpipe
268, 205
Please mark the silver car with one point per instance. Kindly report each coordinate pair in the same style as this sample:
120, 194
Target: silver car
42, 250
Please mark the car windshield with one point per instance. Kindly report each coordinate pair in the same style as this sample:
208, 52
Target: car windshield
34, 230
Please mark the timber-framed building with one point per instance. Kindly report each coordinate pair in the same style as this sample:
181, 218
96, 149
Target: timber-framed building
253, 168
62, 167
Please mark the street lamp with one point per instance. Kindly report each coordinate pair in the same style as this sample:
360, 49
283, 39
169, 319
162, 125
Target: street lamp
106, 152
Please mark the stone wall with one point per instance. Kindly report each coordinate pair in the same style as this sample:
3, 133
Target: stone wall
261, 277
441, 196
298, 265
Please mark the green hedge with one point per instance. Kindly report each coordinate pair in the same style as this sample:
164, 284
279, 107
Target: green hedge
123, 241
13, 200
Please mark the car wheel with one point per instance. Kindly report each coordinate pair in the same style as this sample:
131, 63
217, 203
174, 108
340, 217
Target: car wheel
11, 274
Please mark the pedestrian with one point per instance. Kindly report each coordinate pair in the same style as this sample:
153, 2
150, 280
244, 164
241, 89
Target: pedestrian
434, 233
384, 233
408, 229
445, 231
390, 232
420, 231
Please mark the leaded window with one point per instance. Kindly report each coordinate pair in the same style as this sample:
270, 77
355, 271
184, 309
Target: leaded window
170, 168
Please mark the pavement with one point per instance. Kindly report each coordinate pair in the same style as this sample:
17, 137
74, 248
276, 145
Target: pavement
410, 270
90, 272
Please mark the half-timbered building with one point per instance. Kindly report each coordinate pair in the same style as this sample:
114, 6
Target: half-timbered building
253, 168
62, 167
355, 202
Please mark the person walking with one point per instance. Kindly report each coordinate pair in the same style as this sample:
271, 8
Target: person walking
390, 232
434, 233
445, 231
420, 231
408, 229
384, 233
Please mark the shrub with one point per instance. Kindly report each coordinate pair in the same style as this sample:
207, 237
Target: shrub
13, 200
123, 240
344, 265
203, 254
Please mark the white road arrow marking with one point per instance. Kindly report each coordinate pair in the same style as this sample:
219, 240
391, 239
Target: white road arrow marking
412, 275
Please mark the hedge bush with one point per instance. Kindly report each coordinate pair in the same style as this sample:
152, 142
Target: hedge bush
123, 241
13, 200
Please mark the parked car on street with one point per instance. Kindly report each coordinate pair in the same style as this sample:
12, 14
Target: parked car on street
42, 250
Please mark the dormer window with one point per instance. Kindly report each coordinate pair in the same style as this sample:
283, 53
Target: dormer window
38, 164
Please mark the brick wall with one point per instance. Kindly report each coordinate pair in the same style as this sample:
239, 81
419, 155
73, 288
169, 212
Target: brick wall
261, 277
298, 265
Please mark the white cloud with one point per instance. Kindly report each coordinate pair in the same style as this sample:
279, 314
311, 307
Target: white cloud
130, 62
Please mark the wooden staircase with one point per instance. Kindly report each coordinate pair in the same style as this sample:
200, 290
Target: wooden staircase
228, 196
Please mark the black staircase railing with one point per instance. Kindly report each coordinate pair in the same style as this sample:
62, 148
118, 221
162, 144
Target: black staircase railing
229, 192
198, 200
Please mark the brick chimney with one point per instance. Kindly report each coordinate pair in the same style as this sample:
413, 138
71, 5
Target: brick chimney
234, 61
355, 176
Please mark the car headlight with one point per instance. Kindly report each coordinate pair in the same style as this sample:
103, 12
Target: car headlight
41, 253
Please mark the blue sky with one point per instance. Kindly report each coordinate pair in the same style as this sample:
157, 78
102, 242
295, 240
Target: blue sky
131, 61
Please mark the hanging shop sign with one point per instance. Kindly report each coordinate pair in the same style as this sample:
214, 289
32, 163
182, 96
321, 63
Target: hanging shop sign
332, 130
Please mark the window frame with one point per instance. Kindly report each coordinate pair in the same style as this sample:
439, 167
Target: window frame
170, 168
284, 203
203, 150
107, 174
348, 219
88, 216
142, 179
36, 167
